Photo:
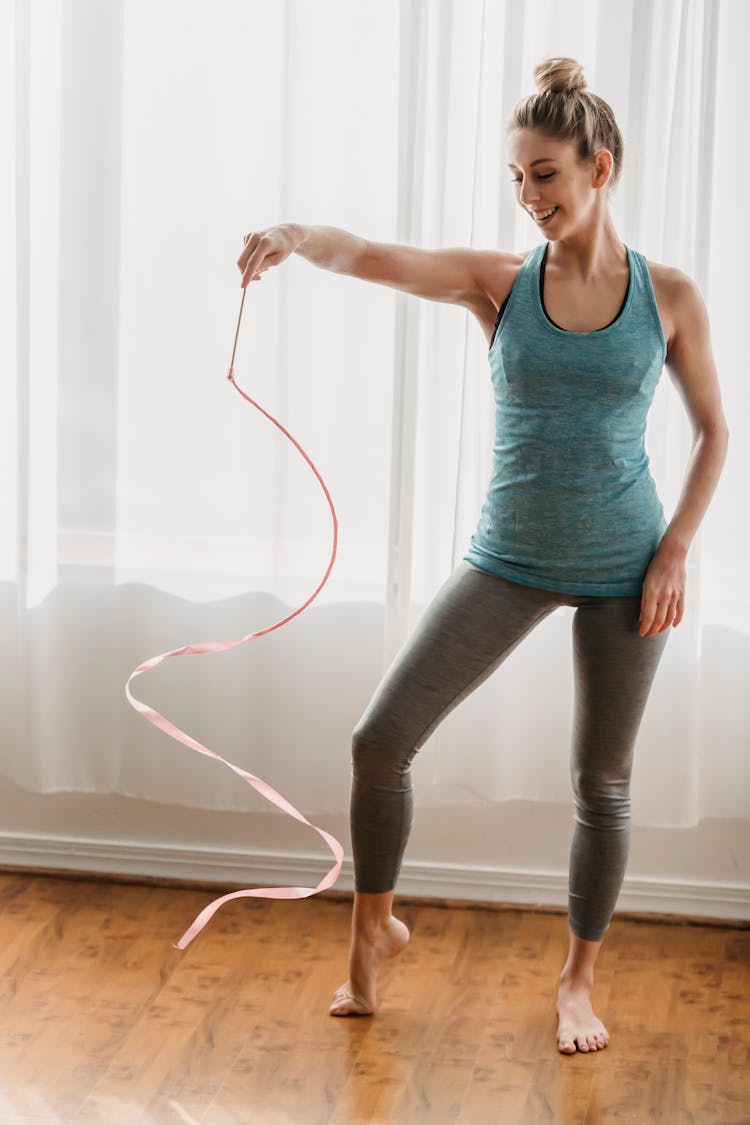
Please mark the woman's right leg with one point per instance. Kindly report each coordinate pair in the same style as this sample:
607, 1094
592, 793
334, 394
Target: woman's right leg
472, 624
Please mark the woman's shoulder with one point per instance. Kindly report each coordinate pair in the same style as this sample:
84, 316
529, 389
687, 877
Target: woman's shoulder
499, 270
669, 278
496, 273
672, 287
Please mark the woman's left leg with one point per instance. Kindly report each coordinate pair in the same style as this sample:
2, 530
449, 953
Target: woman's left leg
614, 669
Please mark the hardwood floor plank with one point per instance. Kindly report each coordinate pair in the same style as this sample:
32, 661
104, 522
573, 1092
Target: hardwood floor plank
437, 1089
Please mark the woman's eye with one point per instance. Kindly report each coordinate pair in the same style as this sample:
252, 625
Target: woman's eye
547, 177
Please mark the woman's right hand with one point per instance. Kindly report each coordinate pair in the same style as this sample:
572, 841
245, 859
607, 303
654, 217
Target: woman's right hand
266, 248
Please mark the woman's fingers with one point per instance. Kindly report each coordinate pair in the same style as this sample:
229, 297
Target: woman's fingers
680, 609
653, 613
648, 609
243, 262
248, 263
657, 616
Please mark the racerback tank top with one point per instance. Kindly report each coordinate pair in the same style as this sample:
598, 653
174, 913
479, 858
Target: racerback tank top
571, 504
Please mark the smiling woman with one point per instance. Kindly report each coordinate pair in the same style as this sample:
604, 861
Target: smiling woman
571, 517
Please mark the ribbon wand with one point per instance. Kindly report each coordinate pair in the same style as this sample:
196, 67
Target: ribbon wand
257, 783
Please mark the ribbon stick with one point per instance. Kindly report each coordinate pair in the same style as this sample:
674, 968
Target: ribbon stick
257, 783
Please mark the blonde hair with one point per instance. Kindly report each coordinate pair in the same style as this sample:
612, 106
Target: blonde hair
564, 110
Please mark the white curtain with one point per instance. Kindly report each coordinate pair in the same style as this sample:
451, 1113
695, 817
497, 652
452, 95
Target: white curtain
146, 506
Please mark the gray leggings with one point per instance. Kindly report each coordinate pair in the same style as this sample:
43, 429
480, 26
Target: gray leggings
473, 623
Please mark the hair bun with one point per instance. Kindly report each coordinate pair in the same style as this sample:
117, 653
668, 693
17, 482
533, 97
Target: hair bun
559, 75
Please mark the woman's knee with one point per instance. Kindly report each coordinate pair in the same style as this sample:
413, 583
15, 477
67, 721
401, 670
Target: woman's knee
379, 755
601, 801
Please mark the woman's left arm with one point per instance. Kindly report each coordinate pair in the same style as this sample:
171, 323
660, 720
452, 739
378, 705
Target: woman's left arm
691, 364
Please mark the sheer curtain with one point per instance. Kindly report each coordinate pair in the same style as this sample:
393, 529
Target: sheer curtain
144, 506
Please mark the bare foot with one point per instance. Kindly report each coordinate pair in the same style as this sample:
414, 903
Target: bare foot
578, 1027
357, 996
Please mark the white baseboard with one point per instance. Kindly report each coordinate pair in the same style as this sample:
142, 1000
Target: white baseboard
726, 901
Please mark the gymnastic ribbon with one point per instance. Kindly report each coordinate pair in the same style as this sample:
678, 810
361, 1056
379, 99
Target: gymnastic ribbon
257, 783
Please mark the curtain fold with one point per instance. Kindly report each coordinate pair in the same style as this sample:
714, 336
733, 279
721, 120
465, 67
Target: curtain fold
143, 508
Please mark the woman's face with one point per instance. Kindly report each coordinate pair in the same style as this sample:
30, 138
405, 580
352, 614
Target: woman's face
547, 174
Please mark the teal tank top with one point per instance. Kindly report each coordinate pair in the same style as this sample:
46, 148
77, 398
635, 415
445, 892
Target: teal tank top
572, 505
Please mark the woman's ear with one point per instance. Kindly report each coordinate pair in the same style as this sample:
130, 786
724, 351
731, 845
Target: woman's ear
603, 163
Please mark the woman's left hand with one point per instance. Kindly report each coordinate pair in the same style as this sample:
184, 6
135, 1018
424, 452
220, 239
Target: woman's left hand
663, 595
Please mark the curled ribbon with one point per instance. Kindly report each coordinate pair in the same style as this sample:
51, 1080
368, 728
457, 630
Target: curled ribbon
257, 783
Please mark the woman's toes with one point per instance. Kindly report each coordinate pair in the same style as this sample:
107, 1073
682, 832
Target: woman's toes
345, 1003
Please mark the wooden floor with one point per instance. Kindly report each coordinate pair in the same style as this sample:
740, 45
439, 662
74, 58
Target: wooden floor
103, 1021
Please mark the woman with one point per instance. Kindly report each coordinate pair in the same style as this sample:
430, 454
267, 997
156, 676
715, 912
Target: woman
579, 329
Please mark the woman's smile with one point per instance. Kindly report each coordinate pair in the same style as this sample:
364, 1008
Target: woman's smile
547, 215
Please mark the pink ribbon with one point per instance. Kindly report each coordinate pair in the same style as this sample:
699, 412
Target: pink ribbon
257, 783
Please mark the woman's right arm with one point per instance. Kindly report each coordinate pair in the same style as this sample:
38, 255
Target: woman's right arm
461, 276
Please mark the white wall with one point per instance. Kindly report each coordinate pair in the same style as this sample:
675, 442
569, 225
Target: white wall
514, 852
